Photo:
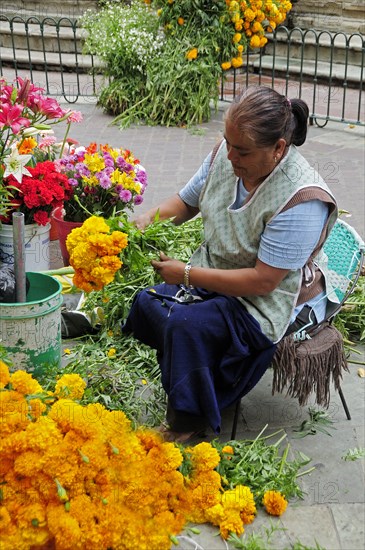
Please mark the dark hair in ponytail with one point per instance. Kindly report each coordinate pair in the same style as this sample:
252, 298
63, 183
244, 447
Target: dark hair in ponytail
267, 116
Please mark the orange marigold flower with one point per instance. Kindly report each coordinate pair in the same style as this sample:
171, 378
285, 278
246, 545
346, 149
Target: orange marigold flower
192, 54
226, 65
237, 62
181, 21
4, 375
228, 449
263, 41
255, 41
275, 504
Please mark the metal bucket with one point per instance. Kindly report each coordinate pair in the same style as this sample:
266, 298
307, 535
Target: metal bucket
31, 331
37, 246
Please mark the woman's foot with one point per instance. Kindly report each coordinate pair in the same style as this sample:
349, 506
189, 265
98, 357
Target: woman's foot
169, 435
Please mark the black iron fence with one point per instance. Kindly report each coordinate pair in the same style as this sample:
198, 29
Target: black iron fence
325, 69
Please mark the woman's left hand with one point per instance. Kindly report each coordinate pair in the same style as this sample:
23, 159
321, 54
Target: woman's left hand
171, 271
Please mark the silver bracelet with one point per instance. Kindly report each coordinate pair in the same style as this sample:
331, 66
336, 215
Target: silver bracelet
187, 268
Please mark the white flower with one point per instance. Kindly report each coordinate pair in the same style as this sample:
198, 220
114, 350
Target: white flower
15, 165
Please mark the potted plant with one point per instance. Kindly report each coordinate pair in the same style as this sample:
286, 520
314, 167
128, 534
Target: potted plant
30, 183
104, 181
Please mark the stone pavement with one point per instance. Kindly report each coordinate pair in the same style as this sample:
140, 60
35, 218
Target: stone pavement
331, 515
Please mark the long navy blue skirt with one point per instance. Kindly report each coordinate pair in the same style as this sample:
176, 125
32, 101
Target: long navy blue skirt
210, 353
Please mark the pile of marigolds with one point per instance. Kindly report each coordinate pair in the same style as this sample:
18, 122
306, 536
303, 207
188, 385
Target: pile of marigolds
76, 477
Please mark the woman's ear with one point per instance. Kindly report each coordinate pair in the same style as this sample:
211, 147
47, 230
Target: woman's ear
280, 147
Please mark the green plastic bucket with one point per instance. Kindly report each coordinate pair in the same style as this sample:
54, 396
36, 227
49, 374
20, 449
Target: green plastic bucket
31, 331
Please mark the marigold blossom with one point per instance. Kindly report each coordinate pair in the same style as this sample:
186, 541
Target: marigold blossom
274, 502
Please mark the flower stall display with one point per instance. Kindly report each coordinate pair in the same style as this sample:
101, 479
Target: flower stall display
30, 183
104, 181
78, 476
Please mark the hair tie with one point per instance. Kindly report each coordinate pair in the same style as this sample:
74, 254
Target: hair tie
288, 102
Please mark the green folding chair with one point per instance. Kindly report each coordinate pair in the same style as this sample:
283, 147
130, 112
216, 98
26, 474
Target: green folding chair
306, 361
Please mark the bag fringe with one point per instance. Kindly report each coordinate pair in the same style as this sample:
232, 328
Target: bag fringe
308, 366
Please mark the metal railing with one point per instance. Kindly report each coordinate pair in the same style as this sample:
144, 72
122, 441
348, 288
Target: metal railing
49, 51
325, 69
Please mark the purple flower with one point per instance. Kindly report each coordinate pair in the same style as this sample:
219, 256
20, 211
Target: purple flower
108, 170
82, 169
141, 175
73, 182
138, 199
121, 163
105, 182
108, 159
125, 195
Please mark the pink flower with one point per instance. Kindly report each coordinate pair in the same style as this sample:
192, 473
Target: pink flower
75, 116
10, 117
46, 106
47, 141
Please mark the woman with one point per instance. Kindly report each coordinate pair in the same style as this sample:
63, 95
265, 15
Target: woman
259, 274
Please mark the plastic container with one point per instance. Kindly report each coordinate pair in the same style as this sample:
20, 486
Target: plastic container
31, 330
63, 229
37, 246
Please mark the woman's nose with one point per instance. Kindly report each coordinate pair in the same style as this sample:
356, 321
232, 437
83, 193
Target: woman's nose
231, 153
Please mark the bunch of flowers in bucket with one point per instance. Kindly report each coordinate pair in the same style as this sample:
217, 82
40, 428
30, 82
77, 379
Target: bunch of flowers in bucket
104, 181
26, 185
77, 476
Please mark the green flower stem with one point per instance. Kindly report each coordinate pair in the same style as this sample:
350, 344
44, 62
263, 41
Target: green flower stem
77, 198
283, 459
356, 362
60, 271
309, 471
254, 441
64, 139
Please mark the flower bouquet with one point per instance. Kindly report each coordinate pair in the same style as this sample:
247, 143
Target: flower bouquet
25, 113
30, 182
104, 181
42, 189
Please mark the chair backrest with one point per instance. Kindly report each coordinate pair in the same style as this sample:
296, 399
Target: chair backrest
345, 250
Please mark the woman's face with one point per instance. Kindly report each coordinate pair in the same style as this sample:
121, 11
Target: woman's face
250, 162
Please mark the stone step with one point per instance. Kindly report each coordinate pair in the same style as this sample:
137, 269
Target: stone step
71, 9
50, 61
309, 69
47, 37
323, 46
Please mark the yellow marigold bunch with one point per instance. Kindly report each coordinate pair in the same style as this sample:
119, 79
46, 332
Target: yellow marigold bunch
274, 502
80, 477
75, 476
94, 253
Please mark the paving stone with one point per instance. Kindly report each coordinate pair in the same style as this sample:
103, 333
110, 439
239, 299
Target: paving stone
311, 526
350, 521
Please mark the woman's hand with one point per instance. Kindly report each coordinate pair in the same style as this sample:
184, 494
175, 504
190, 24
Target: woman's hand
171, 271
143, 220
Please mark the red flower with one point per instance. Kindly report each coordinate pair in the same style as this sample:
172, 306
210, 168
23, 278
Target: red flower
41, 217
37, 195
